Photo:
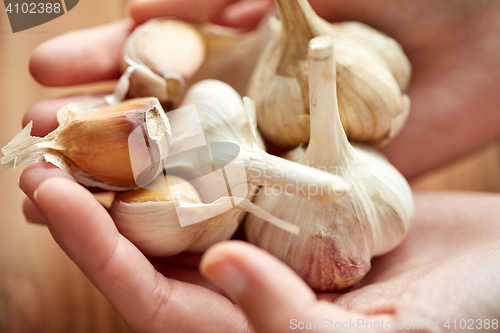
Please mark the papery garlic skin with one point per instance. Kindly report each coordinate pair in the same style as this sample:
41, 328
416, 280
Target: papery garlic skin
337, 239
93, 142
372, 72
149, 218
167, 56
225, 118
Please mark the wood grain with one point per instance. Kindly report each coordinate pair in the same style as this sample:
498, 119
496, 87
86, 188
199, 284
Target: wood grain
41, 290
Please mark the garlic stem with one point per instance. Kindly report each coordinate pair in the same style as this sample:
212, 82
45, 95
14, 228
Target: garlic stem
327, 132
293, 178
297, 18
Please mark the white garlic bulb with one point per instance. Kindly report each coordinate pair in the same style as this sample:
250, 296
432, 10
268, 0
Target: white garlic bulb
372, 72
337, 239
224, 118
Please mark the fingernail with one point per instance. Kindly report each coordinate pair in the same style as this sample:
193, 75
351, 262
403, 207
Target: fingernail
226, 275
19, 185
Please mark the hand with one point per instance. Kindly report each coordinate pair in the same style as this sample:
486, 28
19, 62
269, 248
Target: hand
439, 129
446, 269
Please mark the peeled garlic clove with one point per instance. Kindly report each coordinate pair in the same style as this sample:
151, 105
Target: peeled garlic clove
337, 239
95, 146
150, 218
372, 73
166, 53
224, 118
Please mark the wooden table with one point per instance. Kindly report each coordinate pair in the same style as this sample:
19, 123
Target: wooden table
41, 290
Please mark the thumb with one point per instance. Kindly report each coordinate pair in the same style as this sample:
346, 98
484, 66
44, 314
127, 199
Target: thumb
268, 291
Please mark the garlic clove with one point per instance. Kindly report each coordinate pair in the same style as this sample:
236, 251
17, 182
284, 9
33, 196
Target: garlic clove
372, 73
95, 146
150, 218
167, 53
337, 239
224, 119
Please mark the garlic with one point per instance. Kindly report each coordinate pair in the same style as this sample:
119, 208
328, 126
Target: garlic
168, 55
94, 140
372, 72
337, 239
150, 218
225, 119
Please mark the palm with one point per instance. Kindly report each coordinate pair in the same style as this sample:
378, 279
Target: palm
452, 244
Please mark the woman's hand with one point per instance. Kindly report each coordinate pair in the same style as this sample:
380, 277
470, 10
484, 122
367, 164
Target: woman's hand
448, 258
446, 269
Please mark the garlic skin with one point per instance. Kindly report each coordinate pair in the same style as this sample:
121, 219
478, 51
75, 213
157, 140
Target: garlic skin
94, 140
149, 218
167, 56
337, 239
224, 117
372, 72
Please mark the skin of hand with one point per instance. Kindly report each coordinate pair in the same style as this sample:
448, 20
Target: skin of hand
446, 269
449, 256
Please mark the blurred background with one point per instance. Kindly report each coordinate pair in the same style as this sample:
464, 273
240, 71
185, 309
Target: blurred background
41, 290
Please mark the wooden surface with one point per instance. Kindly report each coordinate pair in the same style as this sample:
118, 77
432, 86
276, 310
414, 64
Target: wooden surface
41, 290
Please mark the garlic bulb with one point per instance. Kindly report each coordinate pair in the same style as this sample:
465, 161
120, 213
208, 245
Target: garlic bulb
168, 55
225, 118
94, 140
337, 239
372, 72
150, 218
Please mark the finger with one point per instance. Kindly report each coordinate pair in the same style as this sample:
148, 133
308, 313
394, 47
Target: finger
244, 14
189, 10
266, 289
82, 56
44, 113
147, 300
32, 213
36, 174
183, 274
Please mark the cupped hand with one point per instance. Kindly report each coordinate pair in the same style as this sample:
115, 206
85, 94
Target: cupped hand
445, 270
448, 257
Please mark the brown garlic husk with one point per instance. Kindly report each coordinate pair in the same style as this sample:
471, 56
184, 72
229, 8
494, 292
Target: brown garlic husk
338, 239
372, 73
94, 142
168, 55
150, 218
